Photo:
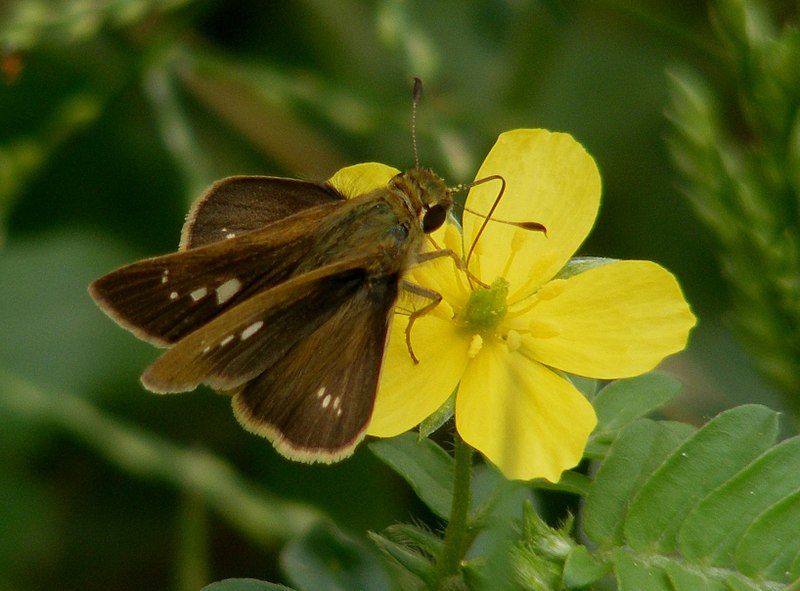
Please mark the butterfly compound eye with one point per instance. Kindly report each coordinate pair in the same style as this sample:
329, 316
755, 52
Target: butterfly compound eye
434, 218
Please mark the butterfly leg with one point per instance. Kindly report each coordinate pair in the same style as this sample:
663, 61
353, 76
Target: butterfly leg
460, 265
435, 298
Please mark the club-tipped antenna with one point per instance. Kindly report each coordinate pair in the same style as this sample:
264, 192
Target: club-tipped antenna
416, 96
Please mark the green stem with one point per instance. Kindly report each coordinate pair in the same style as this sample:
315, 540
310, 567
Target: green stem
456, 535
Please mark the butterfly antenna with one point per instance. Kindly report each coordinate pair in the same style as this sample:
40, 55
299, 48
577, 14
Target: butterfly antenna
533, 226
416, 96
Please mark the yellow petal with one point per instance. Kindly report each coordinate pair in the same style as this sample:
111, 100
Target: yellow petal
358, 179
550, 179
409, 392
614, 321
527, 420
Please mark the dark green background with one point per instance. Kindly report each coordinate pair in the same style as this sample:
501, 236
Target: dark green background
88, 182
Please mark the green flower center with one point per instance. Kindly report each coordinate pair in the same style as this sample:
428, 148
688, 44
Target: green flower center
486, 306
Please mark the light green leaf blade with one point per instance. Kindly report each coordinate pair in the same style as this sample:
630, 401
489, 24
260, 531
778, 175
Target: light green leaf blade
581, 568
770, 548
636, 574
716, 525
706, 460
683, 576
638, 451
623, 401
659, 475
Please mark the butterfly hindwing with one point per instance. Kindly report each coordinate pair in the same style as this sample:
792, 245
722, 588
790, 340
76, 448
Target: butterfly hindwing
240, 204
321, 413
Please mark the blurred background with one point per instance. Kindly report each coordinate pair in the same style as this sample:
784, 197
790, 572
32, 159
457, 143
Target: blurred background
115, 115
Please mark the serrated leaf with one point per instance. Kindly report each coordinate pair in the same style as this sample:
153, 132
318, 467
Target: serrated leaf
244, 585
623, 401
716, 525
637, 452
325, 558
424, 465
707, 459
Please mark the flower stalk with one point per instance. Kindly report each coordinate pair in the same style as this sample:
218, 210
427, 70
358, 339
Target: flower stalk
456, 535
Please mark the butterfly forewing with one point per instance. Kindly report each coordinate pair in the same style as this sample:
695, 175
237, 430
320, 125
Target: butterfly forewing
241, 204
322, 412
253, 336
163, 299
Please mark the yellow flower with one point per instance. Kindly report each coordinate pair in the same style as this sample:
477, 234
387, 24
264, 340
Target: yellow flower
505, 344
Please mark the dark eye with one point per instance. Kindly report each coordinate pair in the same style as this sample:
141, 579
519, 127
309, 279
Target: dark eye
433, 218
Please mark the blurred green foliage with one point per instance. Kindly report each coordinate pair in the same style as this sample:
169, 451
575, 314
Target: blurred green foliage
114, 115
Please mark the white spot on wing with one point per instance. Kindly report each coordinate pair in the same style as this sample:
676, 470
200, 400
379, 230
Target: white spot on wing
251, 330
321, 392
227, 290
165, 276
230, 235
336, 402
226, 340
173, 295
199, 294
326, 401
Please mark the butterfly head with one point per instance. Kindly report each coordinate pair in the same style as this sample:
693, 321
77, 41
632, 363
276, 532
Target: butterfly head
429, 195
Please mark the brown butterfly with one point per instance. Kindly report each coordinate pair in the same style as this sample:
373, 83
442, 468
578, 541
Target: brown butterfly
281, 294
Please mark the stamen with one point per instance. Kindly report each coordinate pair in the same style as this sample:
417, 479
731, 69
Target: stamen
517, 242
475, 345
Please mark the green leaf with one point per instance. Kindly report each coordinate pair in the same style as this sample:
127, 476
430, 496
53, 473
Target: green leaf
244, 585
683, 576
715, 526
771, 545
570, 482
579, 265
638, 451
412, 548
716, 510
325, 558
424, 465
705, 461
636, 574
438, 418
582, 568
623, 401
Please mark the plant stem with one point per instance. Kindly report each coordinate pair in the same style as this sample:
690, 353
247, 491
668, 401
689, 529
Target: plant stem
455, 536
